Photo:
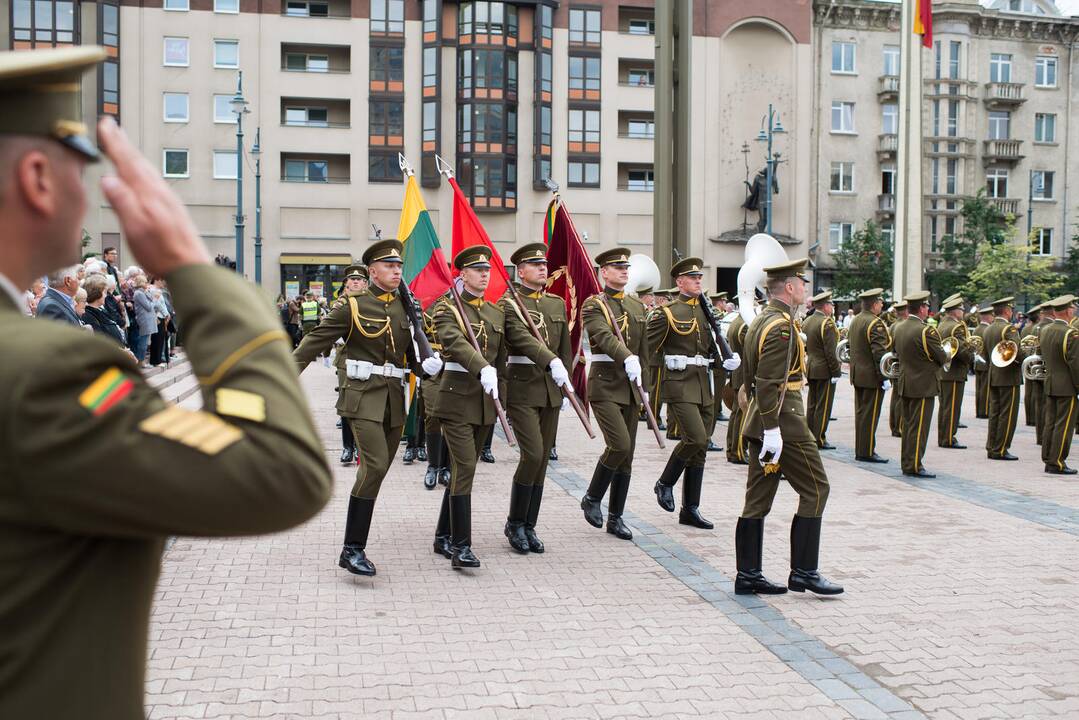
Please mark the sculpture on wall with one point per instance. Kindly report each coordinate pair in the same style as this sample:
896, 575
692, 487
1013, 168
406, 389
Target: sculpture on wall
757, 198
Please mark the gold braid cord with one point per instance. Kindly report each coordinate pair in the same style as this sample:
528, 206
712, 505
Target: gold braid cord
358, 321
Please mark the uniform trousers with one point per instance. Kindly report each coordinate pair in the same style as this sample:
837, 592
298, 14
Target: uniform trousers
819, 408
800, 465
981, 394
535, 428
867, 405
464, 441
736, 449
917, 415
618, 423
694, 424
1058, 430
951, 406
1003, 414
376, 443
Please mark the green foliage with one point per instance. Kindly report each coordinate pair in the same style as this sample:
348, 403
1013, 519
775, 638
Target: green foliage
1006, 269
984, 225
1070, 269
864, 262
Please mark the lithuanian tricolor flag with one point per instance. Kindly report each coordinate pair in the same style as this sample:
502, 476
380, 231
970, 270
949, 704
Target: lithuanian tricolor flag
425, 269
102, 394
923, 21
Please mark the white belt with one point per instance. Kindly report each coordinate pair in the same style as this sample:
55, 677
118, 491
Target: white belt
455, 367
387, 370
519, 360
697, 360
601, 357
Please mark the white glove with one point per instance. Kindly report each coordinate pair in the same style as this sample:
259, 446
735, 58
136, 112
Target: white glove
734, 363
772, 443
558, 373
358, 369
676, 362
835, 380
565, 404
432, 365
633, 368
489, 381
887, 385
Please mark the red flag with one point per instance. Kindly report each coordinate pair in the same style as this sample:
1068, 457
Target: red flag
467, 231
923, 21
571, 278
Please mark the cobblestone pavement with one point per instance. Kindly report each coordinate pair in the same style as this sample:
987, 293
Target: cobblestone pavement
961, 600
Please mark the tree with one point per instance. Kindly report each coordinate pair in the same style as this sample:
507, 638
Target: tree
1007, 269
984, 225
864, 262
1070, 268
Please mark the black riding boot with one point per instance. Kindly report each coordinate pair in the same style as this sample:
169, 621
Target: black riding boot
805, 547
461, 528
434, 454
671, 473
590, 503
749, 552
691, 499
348, 444
485, 454
444, 464
357, 525
535, 498
520, 496
442, 530
617, 505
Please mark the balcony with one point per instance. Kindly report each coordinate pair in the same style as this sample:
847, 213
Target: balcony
887, 146
315, 168
949, 146
1004, 94
637, 72
946, 89
339, 9
1002, 151
636, 178
304, 58
637, 21
889, 88
636, 125
315, 112
1008, 206
886, 205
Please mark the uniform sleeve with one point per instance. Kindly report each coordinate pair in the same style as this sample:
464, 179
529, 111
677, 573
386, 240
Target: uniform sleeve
565, 344
964, 356
600, 335
322, 338
656, 331
829, 340
772, 372
520, 339
1071, 354
880, 341
931, 341
456, 346
108, 456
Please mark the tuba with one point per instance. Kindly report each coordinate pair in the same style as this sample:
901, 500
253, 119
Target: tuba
889, 365
1033, 365
1005, 353
950, 346
643, 273
842, 351
762, 251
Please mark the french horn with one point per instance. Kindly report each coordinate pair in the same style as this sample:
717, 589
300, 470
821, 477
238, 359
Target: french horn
950, 346
842, 351
889, 365
977, 346
1005, 353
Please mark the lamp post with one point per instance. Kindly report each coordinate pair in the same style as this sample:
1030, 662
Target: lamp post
239, 106
256, 151
770, 127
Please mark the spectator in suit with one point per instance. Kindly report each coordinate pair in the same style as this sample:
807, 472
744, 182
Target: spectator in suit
58, 303
96, 318
110, 256
145, 318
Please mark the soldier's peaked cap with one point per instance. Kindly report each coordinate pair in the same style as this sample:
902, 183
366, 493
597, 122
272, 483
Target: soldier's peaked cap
384, 251
532, 252
353, 271
822, 297
792, 268
900, 305
951, 303
687, 266
41, 95
721, 295
953, 296
1059, 303
871, 294
919, 296
474, 256
1003, 301
617, 256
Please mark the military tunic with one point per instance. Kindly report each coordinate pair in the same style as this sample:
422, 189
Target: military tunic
767, 372
921, 356
1003, 390
1034, 390
895, 404
736, 446
953, 382
1059, 349
96, 470
823, 368
868, 340
981, 375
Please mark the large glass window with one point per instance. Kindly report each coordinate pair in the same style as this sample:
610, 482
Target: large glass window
584, 127
889, 119
583, 173
842, 117
224, 164
1045, 72
176, 52
430, 16
584, 77
430, 121
642, 77
430, 67
387, 122
227, 6
388, 16
1000, 68
223, 112
584, 27
640, 180
1043, 242
1045, 128
174, 163
176, 108
891, 60
387, 66
226, 53
641, 129
843, 57
842, 177
110, 25
43, 22
484, 17
839, 234
1041, 184
546, 75
996, 183
999, 124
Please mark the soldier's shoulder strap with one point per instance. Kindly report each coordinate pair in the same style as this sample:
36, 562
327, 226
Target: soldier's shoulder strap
769, 325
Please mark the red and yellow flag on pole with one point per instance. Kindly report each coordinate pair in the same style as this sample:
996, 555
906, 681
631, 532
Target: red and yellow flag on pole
923, 21
468, 231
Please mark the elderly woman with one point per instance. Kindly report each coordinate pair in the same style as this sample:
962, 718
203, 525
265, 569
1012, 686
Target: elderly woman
145, 317
96, 318
80, 302
161, 310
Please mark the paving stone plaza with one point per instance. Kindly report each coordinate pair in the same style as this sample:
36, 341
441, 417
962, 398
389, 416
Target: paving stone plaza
961, 599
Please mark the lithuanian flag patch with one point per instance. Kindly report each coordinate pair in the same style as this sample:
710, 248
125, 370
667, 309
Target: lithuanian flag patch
104, 393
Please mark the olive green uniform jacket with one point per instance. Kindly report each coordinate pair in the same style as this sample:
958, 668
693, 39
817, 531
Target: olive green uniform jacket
822, 336
960, 366
531, 384
920, 355
680, 328
96, 470
869, 340
607, 381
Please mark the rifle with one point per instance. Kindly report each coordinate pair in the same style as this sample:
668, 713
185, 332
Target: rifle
419, 338
639, 390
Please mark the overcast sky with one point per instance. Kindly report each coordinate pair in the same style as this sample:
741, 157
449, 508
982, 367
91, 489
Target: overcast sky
1068, 7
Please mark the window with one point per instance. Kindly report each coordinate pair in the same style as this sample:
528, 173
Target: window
1045, 128
110, 84
176, 5
110, 25
954, 48
1045, 72
226, 53
383, 167
584, 78
641, 129
889, 119
430, 121
485, 121
176, 110
223, 110
1025, 6
1041, 184
176, 52
842, 177
887, 180
226, 6
842, 117
387, 122
545, 127
584, 130
584, 173
303, 62
1043, 242
642, 27
307, 116
1000, 68
640, 180
306, 171
843, 57
387, 68
224, 164
545, 71
487, 18
999, 124
307, 8
430, 67
489, 71
430, 16
174, 163
952, 129
887, 234
996, 183
644, 77
950, 176
584, 27
891, 60
44, 22
388, 16
839, 234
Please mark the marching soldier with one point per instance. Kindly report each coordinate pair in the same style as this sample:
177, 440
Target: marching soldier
868, 340
533, 398
981, 368
954, 380
616, 366
824, 369
736, 449
468, 388
681, 335
1034, 390
1003, 383
1059, 349
899, 313
780, 443
917, 345
655, 371
355, 283
378, 359
719, 374
98, 469
438, 455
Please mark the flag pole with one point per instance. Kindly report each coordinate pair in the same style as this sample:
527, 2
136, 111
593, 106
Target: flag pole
907, 254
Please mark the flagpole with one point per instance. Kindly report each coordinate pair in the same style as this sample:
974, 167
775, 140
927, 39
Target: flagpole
907, 272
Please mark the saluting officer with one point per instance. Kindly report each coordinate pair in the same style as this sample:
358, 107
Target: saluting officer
736, 447
1003, 383
920, 355
868, 341
533, 398
898, 313
1034, 390
681, 335
615, 366
378, 359
1059, 349
355, 283
824, 368
96, 468
981, 369
780, 443
954, 380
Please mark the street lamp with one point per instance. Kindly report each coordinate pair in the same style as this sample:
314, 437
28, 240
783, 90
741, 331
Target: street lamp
256, 152
239, 106
770, 127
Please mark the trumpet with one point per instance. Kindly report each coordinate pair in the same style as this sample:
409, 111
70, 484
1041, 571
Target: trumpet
950, 346
889, 365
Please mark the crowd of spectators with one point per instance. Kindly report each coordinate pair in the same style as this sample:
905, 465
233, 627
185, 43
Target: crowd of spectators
128, 307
